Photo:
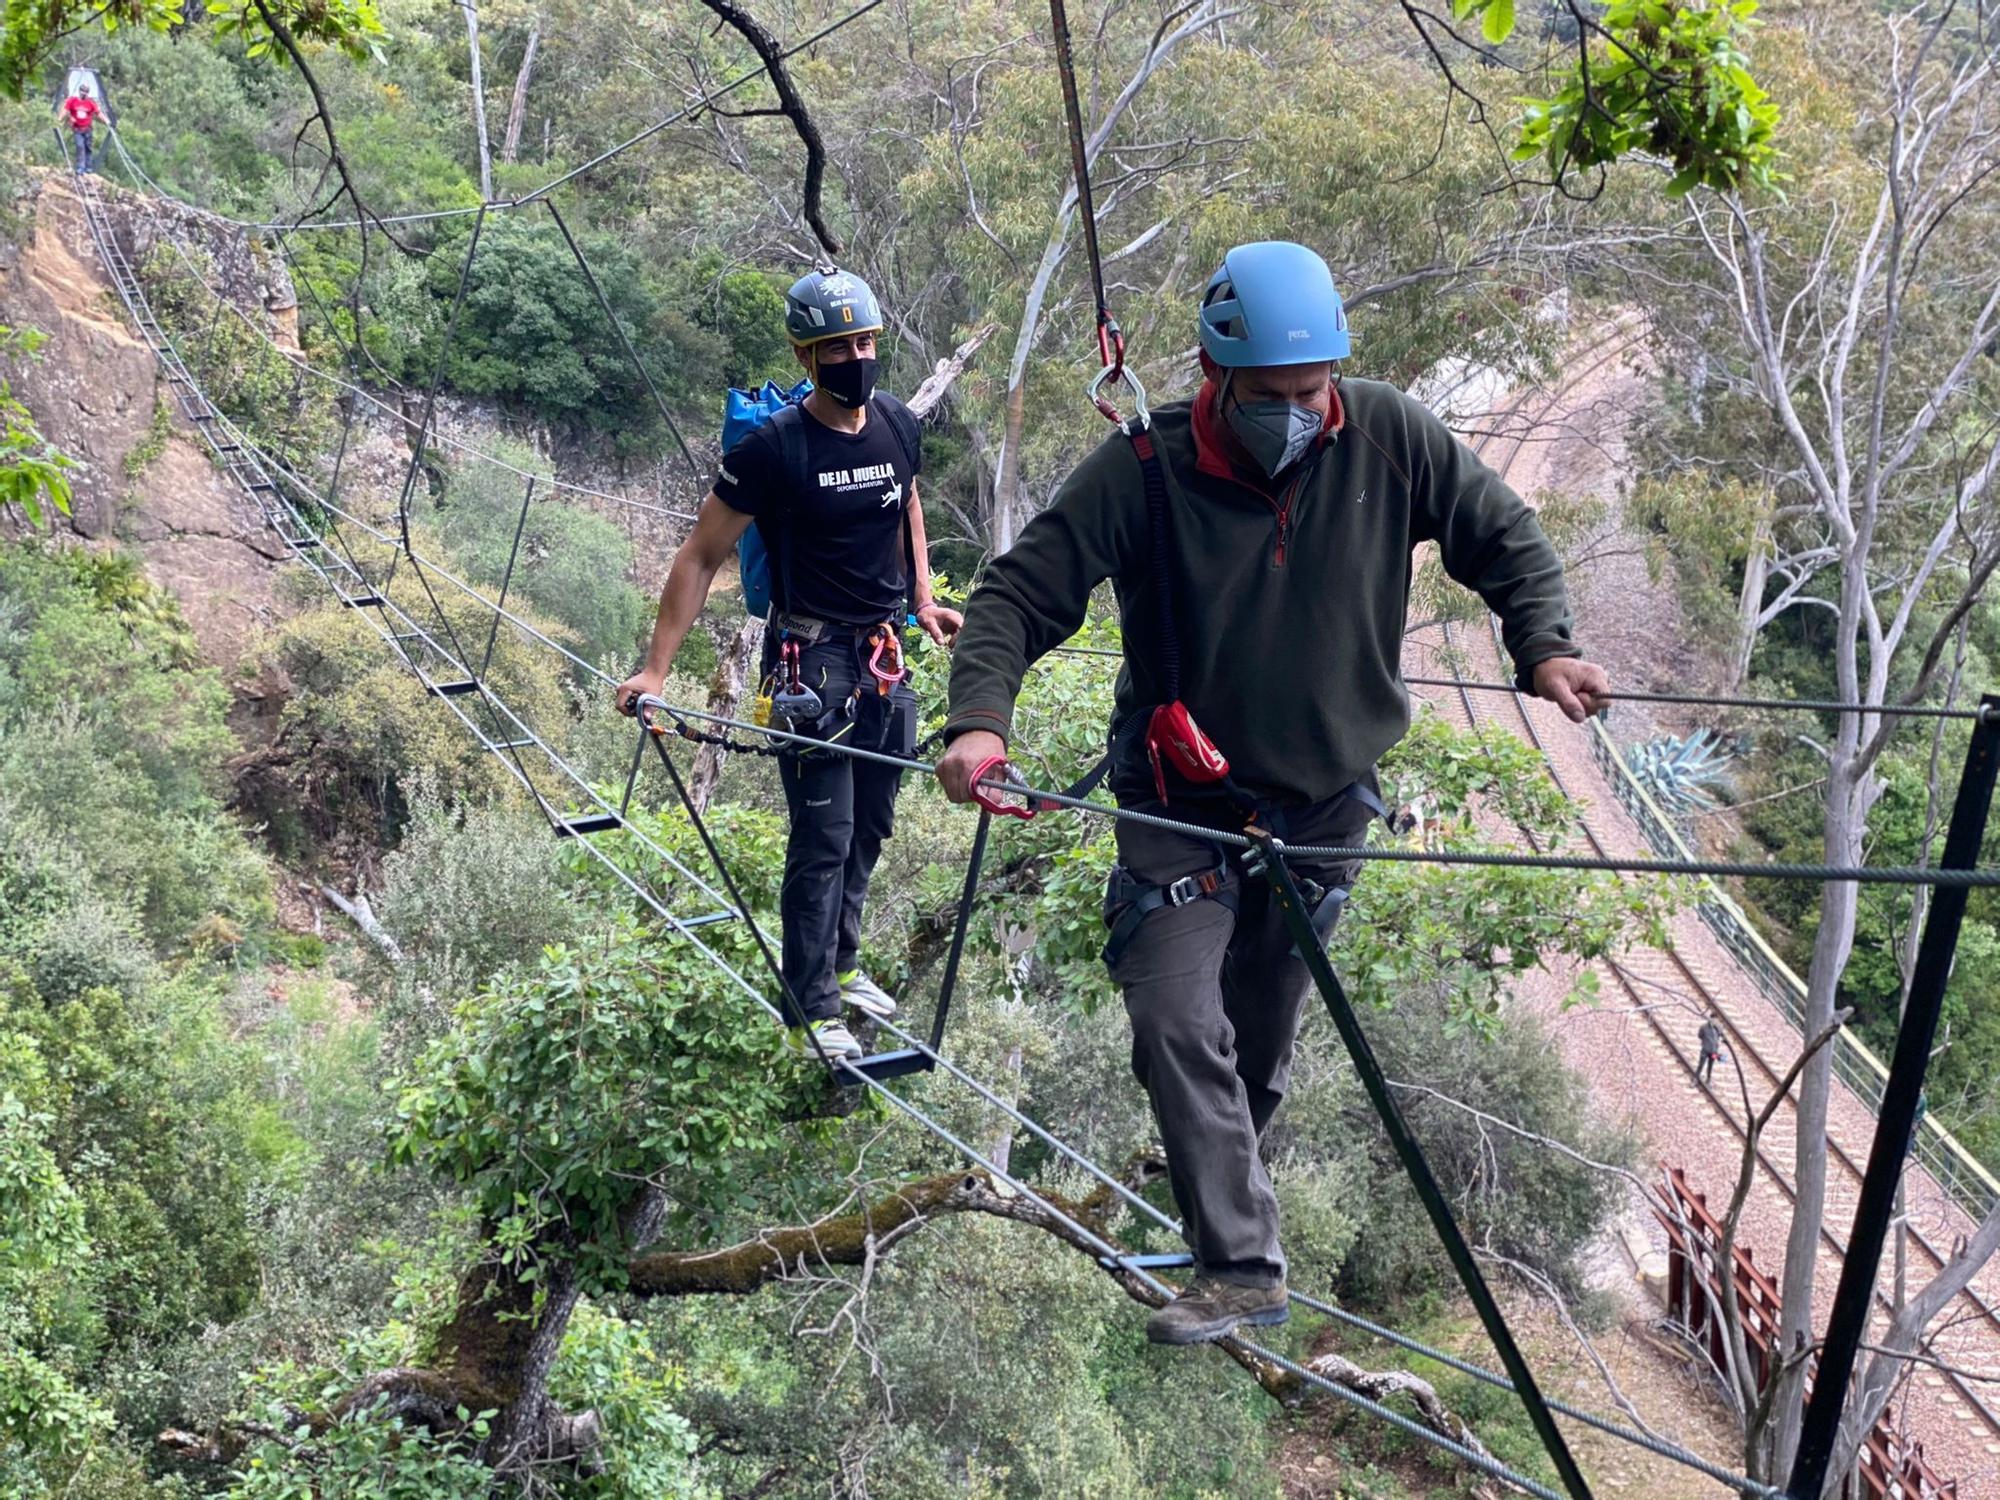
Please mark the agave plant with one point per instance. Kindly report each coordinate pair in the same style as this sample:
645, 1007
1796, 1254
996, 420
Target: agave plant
1679, 772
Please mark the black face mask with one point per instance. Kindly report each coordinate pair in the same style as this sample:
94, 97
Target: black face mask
851, 382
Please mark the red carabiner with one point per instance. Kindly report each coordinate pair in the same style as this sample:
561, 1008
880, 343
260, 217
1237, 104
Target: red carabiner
1111, 355
988, 798
789, 654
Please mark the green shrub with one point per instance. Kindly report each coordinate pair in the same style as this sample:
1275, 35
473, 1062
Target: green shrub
570, 567
111, 751
563, 1089
472, 889
359, 730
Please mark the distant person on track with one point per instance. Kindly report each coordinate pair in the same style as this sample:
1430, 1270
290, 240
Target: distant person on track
845, 533
1710, 1041
1293, 500
81, 110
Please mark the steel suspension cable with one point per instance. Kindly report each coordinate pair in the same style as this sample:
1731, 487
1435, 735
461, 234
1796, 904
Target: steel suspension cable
1713, 700
624, 338
1110, 341
1979, 877
1700, 700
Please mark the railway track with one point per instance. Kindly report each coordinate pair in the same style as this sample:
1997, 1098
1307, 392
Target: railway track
1667, 969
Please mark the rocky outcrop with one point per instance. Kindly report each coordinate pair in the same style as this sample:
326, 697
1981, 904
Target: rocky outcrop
142, 479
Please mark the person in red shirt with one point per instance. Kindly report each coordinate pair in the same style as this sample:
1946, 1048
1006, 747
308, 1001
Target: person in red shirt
82, 110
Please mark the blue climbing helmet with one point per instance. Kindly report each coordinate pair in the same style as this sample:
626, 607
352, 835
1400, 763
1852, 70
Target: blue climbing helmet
1272, 303
828, 302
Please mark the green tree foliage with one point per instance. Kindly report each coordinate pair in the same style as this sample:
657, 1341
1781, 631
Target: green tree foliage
42, 1236
33, 30
109, 770
531, 331
570, 564
1671, 81
31, 470
160, 1132
560, 1092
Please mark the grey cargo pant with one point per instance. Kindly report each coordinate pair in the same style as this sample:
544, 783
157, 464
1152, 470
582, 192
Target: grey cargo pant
1215, 991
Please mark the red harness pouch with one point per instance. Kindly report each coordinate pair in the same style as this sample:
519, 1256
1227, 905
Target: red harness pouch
1174, 739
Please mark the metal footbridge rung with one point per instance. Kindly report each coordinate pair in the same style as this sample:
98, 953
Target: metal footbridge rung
710, 919
1167, 1260
881, 1065
570, 828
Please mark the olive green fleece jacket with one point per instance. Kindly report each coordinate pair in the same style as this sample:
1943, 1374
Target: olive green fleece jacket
1290, 618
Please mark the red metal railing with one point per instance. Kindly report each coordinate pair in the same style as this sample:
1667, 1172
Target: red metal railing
1890, 1468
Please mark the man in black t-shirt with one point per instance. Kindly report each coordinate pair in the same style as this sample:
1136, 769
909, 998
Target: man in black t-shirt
831, 485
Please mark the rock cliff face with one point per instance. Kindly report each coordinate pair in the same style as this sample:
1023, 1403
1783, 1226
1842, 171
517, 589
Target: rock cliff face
145, 482
142, 479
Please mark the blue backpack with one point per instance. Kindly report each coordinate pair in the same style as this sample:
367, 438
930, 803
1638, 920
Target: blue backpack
743, 412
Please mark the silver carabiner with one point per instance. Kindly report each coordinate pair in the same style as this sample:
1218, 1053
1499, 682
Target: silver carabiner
1142, 415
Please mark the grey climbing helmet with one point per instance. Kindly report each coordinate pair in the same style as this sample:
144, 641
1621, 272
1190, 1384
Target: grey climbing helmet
829, 303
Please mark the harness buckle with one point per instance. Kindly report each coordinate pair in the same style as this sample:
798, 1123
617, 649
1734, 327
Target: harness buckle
1192, 888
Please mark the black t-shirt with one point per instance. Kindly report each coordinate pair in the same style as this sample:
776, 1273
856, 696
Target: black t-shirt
839, 545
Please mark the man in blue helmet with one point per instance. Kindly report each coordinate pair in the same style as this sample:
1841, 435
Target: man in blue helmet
832, 486
1261, 682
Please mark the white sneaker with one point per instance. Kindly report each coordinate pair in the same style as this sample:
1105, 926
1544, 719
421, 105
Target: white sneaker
865, 995
835, 1040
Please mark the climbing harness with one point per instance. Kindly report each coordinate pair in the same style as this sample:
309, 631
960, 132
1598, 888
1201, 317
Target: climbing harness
1128, 901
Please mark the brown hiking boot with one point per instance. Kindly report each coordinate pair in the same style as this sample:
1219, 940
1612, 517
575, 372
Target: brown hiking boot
1209, 1309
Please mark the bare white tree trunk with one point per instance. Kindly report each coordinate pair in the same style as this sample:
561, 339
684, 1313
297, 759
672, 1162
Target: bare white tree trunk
510, 143
1750, 607
478, 98
1895, 463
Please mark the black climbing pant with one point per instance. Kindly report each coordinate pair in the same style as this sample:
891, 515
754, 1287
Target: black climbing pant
843, 809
